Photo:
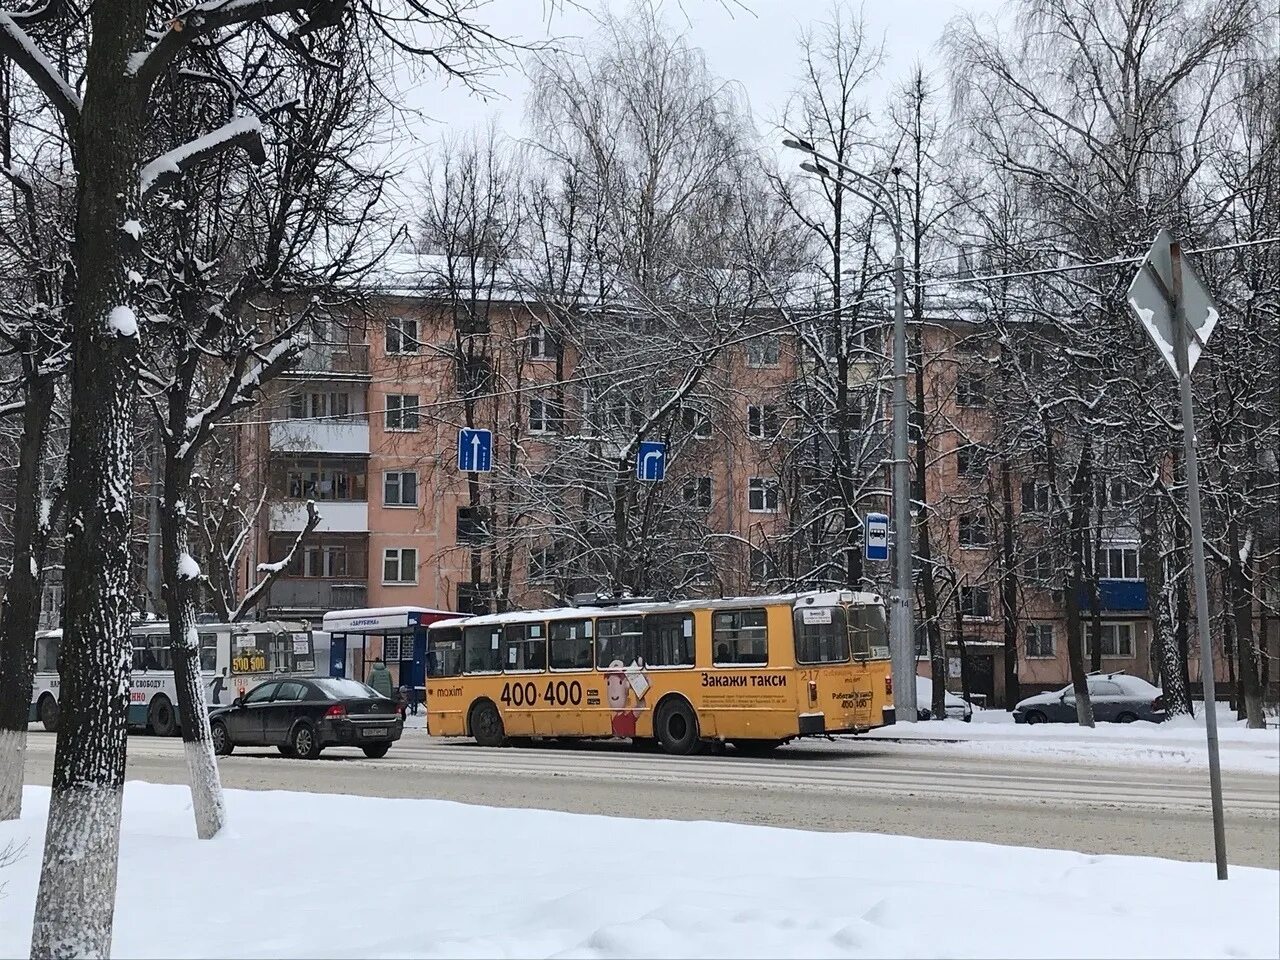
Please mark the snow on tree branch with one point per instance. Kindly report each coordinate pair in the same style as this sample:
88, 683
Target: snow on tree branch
243, 132
22, 50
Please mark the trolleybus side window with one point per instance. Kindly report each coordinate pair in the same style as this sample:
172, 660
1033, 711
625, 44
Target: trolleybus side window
571, 645
821, 635
740, 637
151, 652
208, 652
668, 640
618, 638
524, 646
483, 653
446, 646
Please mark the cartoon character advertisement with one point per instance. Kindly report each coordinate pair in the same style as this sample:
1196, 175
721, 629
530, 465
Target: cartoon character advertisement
626, 687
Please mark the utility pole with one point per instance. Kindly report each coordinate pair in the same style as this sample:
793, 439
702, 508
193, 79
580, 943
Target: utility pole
902, 631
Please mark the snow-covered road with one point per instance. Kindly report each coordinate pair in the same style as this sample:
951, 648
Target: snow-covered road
918, 789
304, 875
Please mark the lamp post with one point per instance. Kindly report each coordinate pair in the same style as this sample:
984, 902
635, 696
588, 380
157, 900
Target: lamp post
904, 647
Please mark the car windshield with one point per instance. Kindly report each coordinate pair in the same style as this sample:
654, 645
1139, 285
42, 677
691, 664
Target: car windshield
342, 689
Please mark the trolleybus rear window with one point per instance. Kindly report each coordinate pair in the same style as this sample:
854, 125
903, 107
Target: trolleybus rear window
821, 635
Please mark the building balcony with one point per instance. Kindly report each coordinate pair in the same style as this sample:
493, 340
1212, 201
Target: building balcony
338, 360
336, 516
298, 593
1118, 596
349, 435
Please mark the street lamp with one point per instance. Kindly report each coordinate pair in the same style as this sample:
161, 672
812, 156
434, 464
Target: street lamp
904, 647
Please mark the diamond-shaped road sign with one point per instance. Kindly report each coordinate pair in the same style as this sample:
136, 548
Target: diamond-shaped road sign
1150, 300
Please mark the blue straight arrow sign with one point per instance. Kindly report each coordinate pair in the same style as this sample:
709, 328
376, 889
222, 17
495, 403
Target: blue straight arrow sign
651, 461
475, 450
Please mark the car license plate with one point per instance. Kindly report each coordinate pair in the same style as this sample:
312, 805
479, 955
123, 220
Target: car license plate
376, 732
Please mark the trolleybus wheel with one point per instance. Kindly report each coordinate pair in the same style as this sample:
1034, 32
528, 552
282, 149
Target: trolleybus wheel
49, 713
161, 717
486, 725
676, 727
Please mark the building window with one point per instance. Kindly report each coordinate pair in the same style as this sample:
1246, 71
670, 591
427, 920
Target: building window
1119, 562
475, 375
322, 480
544, 563
402, 411
971, 390
697, 492
975, 601
1117, 640
971, 461
763, 351
473, 321
973, 530
763, 567
318, 404
1038, 638
400, 488
402, 335
696, 422
543, 344
763, 422
400, 565
472, 524
1038, 566
762, 495
473, 599
544, 415
1035, 497
1112, 493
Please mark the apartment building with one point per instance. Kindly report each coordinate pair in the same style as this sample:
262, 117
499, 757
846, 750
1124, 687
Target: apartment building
366, 426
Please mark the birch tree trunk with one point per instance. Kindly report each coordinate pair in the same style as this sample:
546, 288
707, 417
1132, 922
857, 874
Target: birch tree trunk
1075, 585
76, 897
181, 584
20, 615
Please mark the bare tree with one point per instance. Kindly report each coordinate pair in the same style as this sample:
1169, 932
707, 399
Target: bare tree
122, 60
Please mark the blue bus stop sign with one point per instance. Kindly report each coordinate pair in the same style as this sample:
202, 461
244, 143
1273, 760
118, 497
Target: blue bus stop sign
875, 536
651, 461
475, 450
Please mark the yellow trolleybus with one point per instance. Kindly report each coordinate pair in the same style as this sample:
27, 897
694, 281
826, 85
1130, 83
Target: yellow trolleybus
755, 671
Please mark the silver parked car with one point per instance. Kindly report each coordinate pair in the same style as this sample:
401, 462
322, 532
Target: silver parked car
1116, 697
957, 707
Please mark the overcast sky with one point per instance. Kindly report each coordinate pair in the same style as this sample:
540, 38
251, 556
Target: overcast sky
752, 42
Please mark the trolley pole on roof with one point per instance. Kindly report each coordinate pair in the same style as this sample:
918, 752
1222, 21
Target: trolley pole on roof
902, 629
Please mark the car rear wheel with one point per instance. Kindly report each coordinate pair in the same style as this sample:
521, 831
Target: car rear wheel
1126, 717
304, 742
486, 725
376, 751
161, 717
676, 728
49, 713
1035, 716
221, 738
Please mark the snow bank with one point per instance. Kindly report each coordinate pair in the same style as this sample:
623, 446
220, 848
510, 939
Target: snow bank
451, 880
1177, 742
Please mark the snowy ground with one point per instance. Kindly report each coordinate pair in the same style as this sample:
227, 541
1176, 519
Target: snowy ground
1178, 742
306, 875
